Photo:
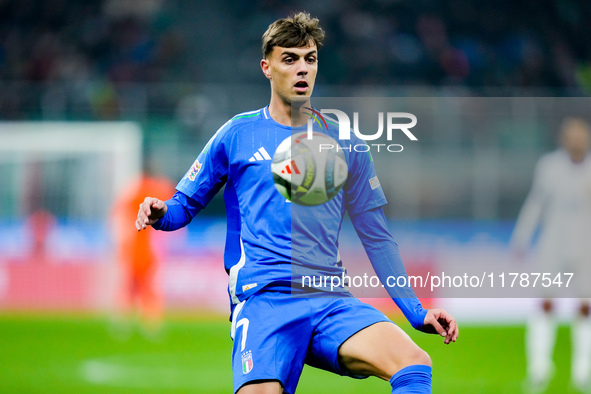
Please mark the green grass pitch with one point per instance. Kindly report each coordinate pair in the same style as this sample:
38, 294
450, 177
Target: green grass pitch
75, 354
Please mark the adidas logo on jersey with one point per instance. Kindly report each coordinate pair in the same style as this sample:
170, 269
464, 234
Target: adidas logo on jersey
260, 155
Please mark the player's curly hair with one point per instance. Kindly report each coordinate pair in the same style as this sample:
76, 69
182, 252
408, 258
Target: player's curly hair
295, 31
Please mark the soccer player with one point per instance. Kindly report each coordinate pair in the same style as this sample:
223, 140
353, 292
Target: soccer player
275, 333
560, 201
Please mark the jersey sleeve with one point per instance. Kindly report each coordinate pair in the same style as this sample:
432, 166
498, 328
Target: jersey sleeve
362, 189
209, 172
181, 210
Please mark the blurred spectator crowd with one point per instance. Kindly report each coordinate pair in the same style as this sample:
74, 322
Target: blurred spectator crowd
70, 40
93, 47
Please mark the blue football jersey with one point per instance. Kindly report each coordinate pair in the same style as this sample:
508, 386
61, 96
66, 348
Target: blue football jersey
271, 241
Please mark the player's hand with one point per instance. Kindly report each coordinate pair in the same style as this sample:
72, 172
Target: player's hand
438, 321
151, 210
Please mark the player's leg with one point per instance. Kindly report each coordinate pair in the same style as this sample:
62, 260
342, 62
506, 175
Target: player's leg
271, 333
150, 302
266, 387
121, 320
541, 325
581, 345
385, 351
354, 339
126, 291
539, 343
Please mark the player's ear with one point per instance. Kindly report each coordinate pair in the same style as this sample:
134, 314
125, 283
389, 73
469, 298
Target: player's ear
265, 68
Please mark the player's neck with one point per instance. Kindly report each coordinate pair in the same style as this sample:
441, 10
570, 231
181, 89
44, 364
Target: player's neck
281, 112
577, 157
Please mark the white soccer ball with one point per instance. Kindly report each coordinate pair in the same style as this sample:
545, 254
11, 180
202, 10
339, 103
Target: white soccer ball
309, 171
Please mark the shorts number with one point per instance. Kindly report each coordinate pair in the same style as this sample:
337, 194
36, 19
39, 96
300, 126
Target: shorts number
244, 323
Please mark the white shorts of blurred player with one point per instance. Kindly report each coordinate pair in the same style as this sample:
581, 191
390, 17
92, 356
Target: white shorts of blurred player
564, 260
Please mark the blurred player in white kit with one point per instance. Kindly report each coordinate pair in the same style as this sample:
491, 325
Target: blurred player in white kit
560, 203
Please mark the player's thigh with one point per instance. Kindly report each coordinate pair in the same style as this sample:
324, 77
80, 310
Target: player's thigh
353, 338
381, 350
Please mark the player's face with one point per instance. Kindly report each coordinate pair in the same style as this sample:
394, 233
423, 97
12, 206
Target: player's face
575, 140
292, 71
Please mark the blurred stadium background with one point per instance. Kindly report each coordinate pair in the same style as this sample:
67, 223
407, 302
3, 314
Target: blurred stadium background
89, 88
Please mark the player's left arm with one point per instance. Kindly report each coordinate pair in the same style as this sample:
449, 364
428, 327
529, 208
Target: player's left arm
372, 228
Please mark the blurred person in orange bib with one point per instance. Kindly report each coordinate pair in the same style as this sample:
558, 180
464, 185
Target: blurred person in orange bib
137, 257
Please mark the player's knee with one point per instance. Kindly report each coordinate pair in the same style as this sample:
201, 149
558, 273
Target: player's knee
422, 358
584, 309
417, 357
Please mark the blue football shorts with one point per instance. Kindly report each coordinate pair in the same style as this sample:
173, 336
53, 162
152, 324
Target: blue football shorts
275, 334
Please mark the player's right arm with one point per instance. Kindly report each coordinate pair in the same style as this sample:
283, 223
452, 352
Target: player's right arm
531, 212
202, 181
